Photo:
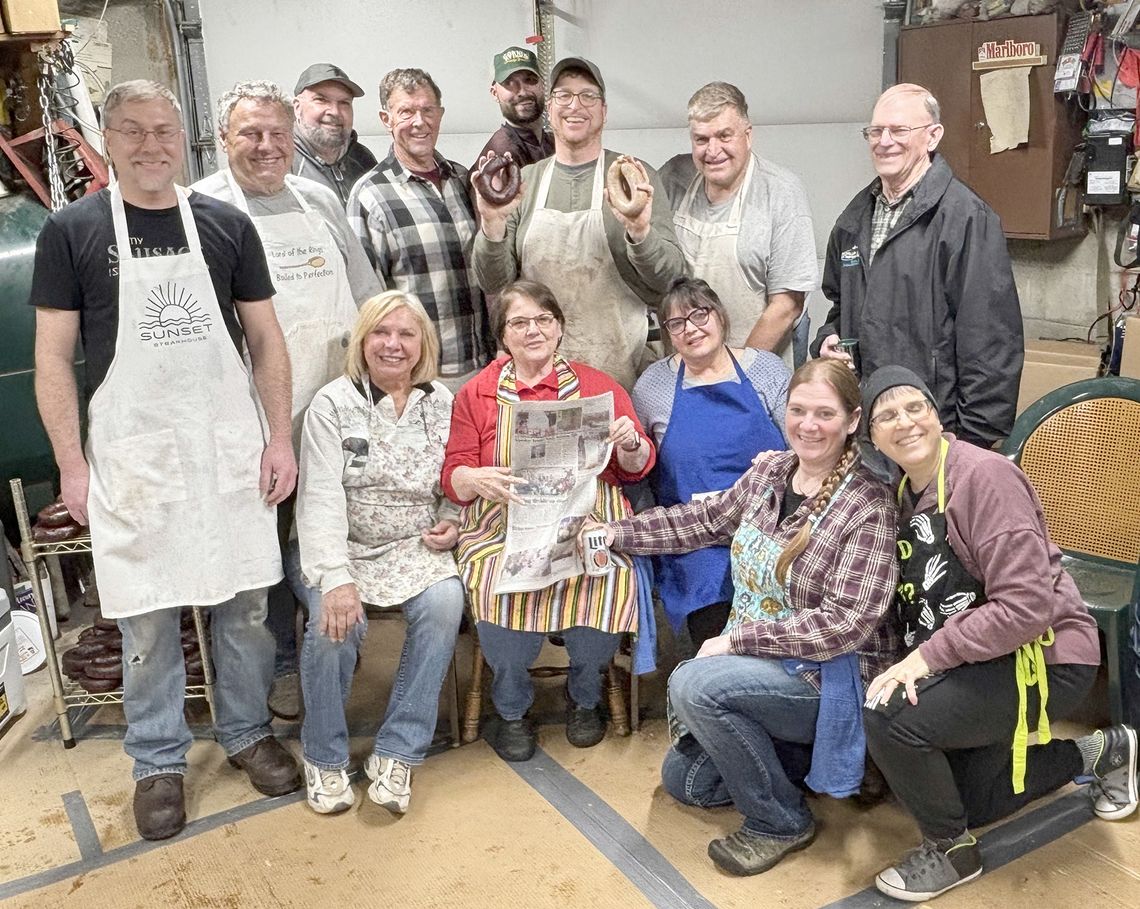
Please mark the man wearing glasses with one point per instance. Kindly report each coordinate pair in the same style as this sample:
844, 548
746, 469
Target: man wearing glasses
177, 480
416, 222
605, 268
918, 273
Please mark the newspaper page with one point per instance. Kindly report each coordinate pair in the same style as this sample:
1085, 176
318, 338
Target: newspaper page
558, 448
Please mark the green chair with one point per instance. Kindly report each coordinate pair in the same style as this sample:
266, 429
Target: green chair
1080, 448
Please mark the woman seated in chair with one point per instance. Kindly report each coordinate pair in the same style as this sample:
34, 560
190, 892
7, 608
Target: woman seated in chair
588, 612
705, 388
997, 641
374, 528
811, 533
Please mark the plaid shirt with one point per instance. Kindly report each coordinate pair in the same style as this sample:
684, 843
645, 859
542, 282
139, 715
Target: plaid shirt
885, 215
419, 240
841, 586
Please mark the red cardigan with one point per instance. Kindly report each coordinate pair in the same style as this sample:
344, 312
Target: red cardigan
475, 413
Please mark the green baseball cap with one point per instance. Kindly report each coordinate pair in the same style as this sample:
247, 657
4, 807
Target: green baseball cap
511, 61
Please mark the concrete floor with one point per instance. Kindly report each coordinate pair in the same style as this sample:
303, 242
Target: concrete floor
569, 828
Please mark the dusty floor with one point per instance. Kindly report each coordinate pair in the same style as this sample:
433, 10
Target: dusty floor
569, 828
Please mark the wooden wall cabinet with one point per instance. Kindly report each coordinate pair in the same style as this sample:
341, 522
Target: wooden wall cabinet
1020, 183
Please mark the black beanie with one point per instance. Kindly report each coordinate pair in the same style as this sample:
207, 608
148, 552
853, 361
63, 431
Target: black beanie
884, 378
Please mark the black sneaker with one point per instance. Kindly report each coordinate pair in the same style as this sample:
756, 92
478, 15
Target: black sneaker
1115, 773
513, 740
744, 852
584, 725
933, 868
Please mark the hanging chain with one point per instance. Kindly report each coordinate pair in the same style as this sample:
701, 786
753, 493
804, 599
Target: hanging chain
48, 62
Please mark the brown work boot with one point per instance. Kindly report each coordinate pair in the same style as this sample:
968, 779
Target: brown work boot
271, 768
160, 809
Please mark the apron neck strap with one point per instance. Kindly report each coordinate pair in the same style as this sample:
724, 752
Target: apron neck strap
123, 235
943, 448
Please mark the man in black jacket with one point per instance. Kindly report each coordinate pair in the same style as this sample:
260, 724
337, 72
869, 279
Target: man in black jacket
918, 273
327, 148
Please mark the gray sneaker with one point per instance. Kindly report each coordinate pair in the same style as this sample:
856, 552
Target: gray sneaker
933, 868
1115, 773
744, 852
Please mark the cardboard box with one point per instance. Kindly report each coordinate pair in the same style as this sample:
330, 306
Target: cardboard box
1130, 356
1051, 364
31, 16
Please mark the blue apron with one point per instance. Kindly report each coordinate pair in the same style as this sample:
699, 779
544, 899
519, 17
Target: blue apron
714, 433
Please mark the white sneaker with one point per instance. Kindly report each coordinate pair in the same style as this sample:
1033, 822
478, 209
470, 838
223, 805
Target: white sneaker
391, 783
328, 791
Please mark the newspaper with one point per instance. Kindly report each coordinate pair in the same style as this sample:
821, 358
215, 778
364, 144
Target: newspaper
558, 448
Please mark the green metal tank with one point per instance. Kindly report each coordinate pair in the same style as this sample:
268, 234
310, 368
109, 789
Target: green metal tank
24, 448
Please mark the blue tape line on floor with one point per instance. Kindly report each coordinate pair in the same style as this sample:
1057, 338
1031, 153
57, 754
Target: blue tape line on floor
647, 869
86, 837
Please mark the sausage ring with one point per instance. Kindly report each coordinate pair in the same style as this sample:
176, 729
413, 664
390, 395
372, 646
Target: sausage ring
511, 179
624, 174
98, 686
54, 515
56, 534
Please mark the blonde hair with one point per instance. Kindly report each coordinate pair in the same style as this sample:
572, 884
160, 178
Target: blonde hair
376, 310
843, 382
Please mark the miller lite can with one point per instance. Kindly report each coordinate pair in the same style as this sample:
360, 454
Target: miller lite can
597, 554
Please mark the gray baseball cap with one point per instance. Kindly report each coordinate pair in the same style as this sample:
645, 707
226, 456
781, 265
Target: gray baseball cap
326, 72
578, 63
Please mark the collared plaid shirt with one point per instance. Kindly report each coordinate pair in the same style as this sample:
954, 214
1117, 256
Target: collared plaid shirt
840, 587
886, 216
419, 240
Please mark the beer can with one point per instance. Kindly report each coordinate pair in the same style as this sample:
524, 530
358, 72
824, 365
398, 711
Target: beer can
597, 554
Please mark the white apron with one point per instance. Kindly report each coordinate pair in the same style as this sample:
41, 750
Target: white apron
174, 444
313, 301
710, 251
606, 323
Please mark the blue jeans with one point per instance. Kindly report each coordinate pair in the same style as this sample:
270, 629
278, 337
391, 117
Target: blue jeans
736, 707
511, 653
409, 722
154, 681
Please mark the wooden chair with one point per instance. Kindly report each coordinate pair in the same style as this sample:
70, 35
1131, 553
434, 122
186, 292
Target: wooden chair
450, 691
615, 697
1080, 448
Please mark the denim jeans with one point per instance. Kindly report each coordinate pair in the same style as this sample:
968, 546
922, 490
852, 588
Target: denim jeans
511, 653
154, 680
736, 707
409, 722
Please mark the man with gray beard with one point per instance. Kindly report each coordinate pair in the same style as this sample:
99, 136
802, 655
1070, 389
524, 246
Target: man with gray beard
327, 148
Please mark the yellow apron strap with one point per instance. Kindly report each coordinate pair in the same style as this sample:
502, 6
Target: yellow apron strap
1029, 665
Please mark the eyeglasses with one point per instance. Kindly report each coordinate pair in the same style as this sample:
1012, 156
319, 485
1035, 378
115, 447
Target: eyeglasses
564, 98
898, 133
135, 136
698, 317
404, 114
915, 410
542, 321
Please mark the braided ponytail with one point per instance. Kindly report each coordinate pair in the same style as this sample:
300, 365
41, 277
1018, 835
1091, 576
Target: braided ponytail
827, 489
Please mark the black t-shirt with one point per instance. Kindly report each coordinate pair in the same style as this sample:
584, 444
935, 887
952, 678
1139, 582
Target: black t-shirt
77, 264
792, 500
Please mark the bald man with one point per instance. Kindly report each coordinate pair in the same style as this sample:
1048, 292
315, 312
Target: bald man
918, 273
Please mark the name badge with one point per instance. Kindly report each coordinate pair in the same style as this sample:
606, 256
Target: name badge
850, 257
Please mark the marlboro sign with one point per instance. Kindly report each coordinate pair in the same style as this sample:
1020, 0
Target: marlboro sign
1008, 50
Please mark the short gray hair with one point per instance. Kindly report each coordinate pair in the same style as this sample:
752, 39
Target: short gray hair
257, 90
407, 80
928, 100
137, 90
709, 100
